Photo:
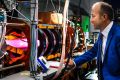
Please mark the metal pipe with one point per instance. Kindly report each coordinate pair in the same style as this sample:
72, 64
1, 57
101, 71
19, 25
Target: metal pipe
14, 66
15, 24
34, 36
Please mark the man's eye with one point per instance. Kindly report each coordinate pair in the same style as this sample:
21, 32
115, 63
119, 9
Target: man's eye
92, 16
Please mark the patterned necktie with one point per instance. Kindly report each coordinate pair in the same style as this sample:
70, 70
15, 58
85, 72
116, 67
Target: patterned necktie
100, 57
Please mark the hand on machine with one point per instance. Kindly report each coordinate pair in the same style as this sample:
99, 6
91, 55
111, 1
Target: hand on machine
71, 63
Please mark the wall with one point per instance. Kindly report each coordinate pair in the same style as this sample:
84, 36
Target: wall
86, 4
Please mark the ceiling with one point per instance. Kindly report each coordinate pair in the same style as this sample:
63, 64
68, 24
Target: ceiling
76, 7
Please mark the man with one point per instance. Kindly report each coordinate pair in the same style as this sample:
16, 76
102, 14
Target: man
108, 58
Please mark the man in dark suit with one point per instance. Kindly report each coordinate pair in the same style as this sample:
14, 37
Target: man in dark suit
108, 58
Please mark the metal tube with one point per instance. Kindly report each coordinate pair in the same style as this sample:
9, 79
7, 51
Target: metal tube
14, 66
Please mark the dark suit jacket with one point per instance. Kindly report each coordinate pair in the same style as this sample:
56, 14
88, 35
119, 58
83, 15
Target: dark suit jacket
111, 63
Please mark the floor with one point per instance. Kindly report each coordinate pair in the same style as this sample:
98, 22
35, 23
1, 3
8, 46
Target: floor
24, 75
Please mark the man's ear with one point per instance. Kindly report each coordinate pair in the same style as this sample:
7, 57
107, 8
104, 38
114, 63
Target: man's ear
105, 16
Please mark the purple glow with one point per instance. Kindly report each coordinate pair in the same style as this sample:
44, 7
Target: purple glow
18, 43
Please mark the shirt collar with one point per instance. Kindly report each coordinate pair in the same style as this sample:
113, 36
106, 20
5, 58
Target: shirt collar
107, 29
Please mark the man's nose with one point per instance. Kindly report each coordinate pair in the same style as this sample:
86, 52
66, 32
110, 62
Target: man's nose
91, 20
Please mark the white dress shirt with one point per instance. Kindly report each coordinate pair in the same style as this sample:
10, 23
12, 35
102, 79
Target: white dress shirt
105, 33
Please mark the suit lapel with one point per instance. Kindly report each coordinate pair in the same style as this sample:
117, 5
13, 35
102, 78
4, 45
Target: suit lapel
108, 42
110, 35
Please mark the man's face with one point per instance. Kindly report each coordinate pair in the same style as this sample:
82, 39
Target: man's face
96, 18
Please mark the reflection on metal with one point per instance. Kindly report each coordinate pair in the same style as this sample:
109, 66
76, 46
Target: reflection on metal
15, 24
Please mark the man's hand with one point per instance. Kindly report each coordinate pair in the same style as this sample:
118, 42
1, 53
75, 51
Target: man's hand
70, 63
